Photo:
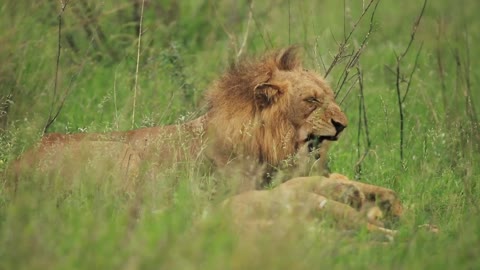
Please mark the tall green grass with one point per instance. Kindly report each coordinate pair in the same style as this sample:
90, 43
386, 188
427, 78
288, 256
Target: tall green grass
172, 223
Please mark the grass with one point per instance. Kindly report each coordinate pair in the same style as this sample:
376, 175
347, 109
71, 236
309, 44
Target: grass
52, 224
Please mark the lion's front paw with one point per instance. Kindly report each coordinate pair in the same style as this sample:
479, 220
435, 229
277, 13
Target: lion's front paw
388, 202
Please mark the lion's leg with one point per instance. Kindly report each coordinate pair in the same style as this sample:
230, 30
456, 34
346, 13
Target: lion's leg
343, 214
345, 193
372, 201
386, 199
253, 206
350, 218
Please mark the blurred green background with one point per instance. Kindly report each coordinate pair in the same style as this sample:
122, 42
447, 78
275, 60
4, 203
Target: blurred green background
184, 46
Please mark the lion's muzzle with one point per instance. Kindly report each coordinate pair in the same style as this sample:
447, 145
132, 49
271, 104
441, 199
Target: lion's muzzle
339, 127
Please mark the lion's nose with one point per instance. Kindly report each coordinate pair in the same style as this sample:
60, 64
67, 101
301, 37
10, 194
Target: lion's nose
338, 126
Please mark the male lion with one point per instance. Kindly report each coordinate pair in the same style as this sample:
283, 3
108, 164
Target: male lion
261, 113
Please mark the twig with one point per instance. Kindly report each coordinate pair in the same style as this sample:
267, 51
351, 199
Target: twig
398, 79
115, 98
92, 28
400, 107
441, 68
414, 68
414, 29
289, 23
51, 119
319, 56
342, 46
232, 38
167, 108
245, 37
350, 88
362, 121
67, 91
470, 140
135, 88
355, 55
344, 19
5, 103
257, 25
468, 91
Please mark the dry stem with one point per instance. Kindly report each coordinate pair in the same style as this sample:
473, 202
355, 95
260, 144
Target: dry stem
51, 118
399, 79
245, 37
362, 122
344, 44
135, 87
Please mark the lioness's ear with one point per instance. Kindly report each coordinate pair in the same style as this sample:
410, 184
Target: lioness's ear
268, 93
288, 59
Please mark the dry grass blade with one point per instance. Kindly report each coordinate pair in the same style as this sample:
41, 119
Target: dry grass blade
245, 37
135, 87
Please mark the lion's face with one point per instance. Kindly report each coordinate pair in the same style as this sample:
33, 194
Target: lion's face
305, 99
313, 108
271, 108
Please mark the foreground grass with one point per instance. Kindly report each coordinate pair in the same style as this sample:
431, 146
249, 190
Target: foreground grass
171, 223
91, 227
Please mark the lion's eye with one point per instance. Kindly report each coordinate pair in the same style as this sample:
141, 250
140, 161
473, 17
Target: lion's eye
312, 100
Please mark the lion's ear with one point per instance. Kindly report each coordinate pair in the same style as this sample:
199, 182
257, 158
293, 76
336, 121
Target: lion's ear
288, 59
268, 93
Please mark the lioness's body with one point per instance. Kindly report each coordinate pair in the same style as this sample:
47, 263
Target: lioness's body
159, 145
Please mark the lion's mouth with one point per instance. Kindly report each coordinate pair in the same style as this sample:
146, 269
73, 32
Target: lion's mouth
315, 141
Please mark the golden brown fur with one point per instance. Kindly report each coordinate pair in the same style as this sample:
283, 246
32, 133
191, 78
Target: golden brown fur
260, 113
305, 198
260, 110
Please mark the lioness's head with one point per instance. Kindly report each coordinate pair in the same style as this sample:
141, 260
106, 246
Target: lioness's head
271, 107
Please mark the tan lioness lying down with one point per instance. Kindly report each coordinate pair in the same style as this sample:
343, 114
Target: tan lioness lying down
260, 113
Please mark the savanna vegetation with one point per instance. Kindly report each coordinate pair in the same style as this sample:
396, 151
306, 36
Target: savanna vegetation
404, 73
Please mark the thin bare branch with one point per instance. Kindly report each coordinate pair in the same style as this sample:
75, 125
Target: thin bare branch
414, 30
355, 55
67, 91
364, 109
350, 88
362, 122
289, 23
414, 68
344, 20
342, 46
50, 120
5, 103
360, 157
399, 79
400, 108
